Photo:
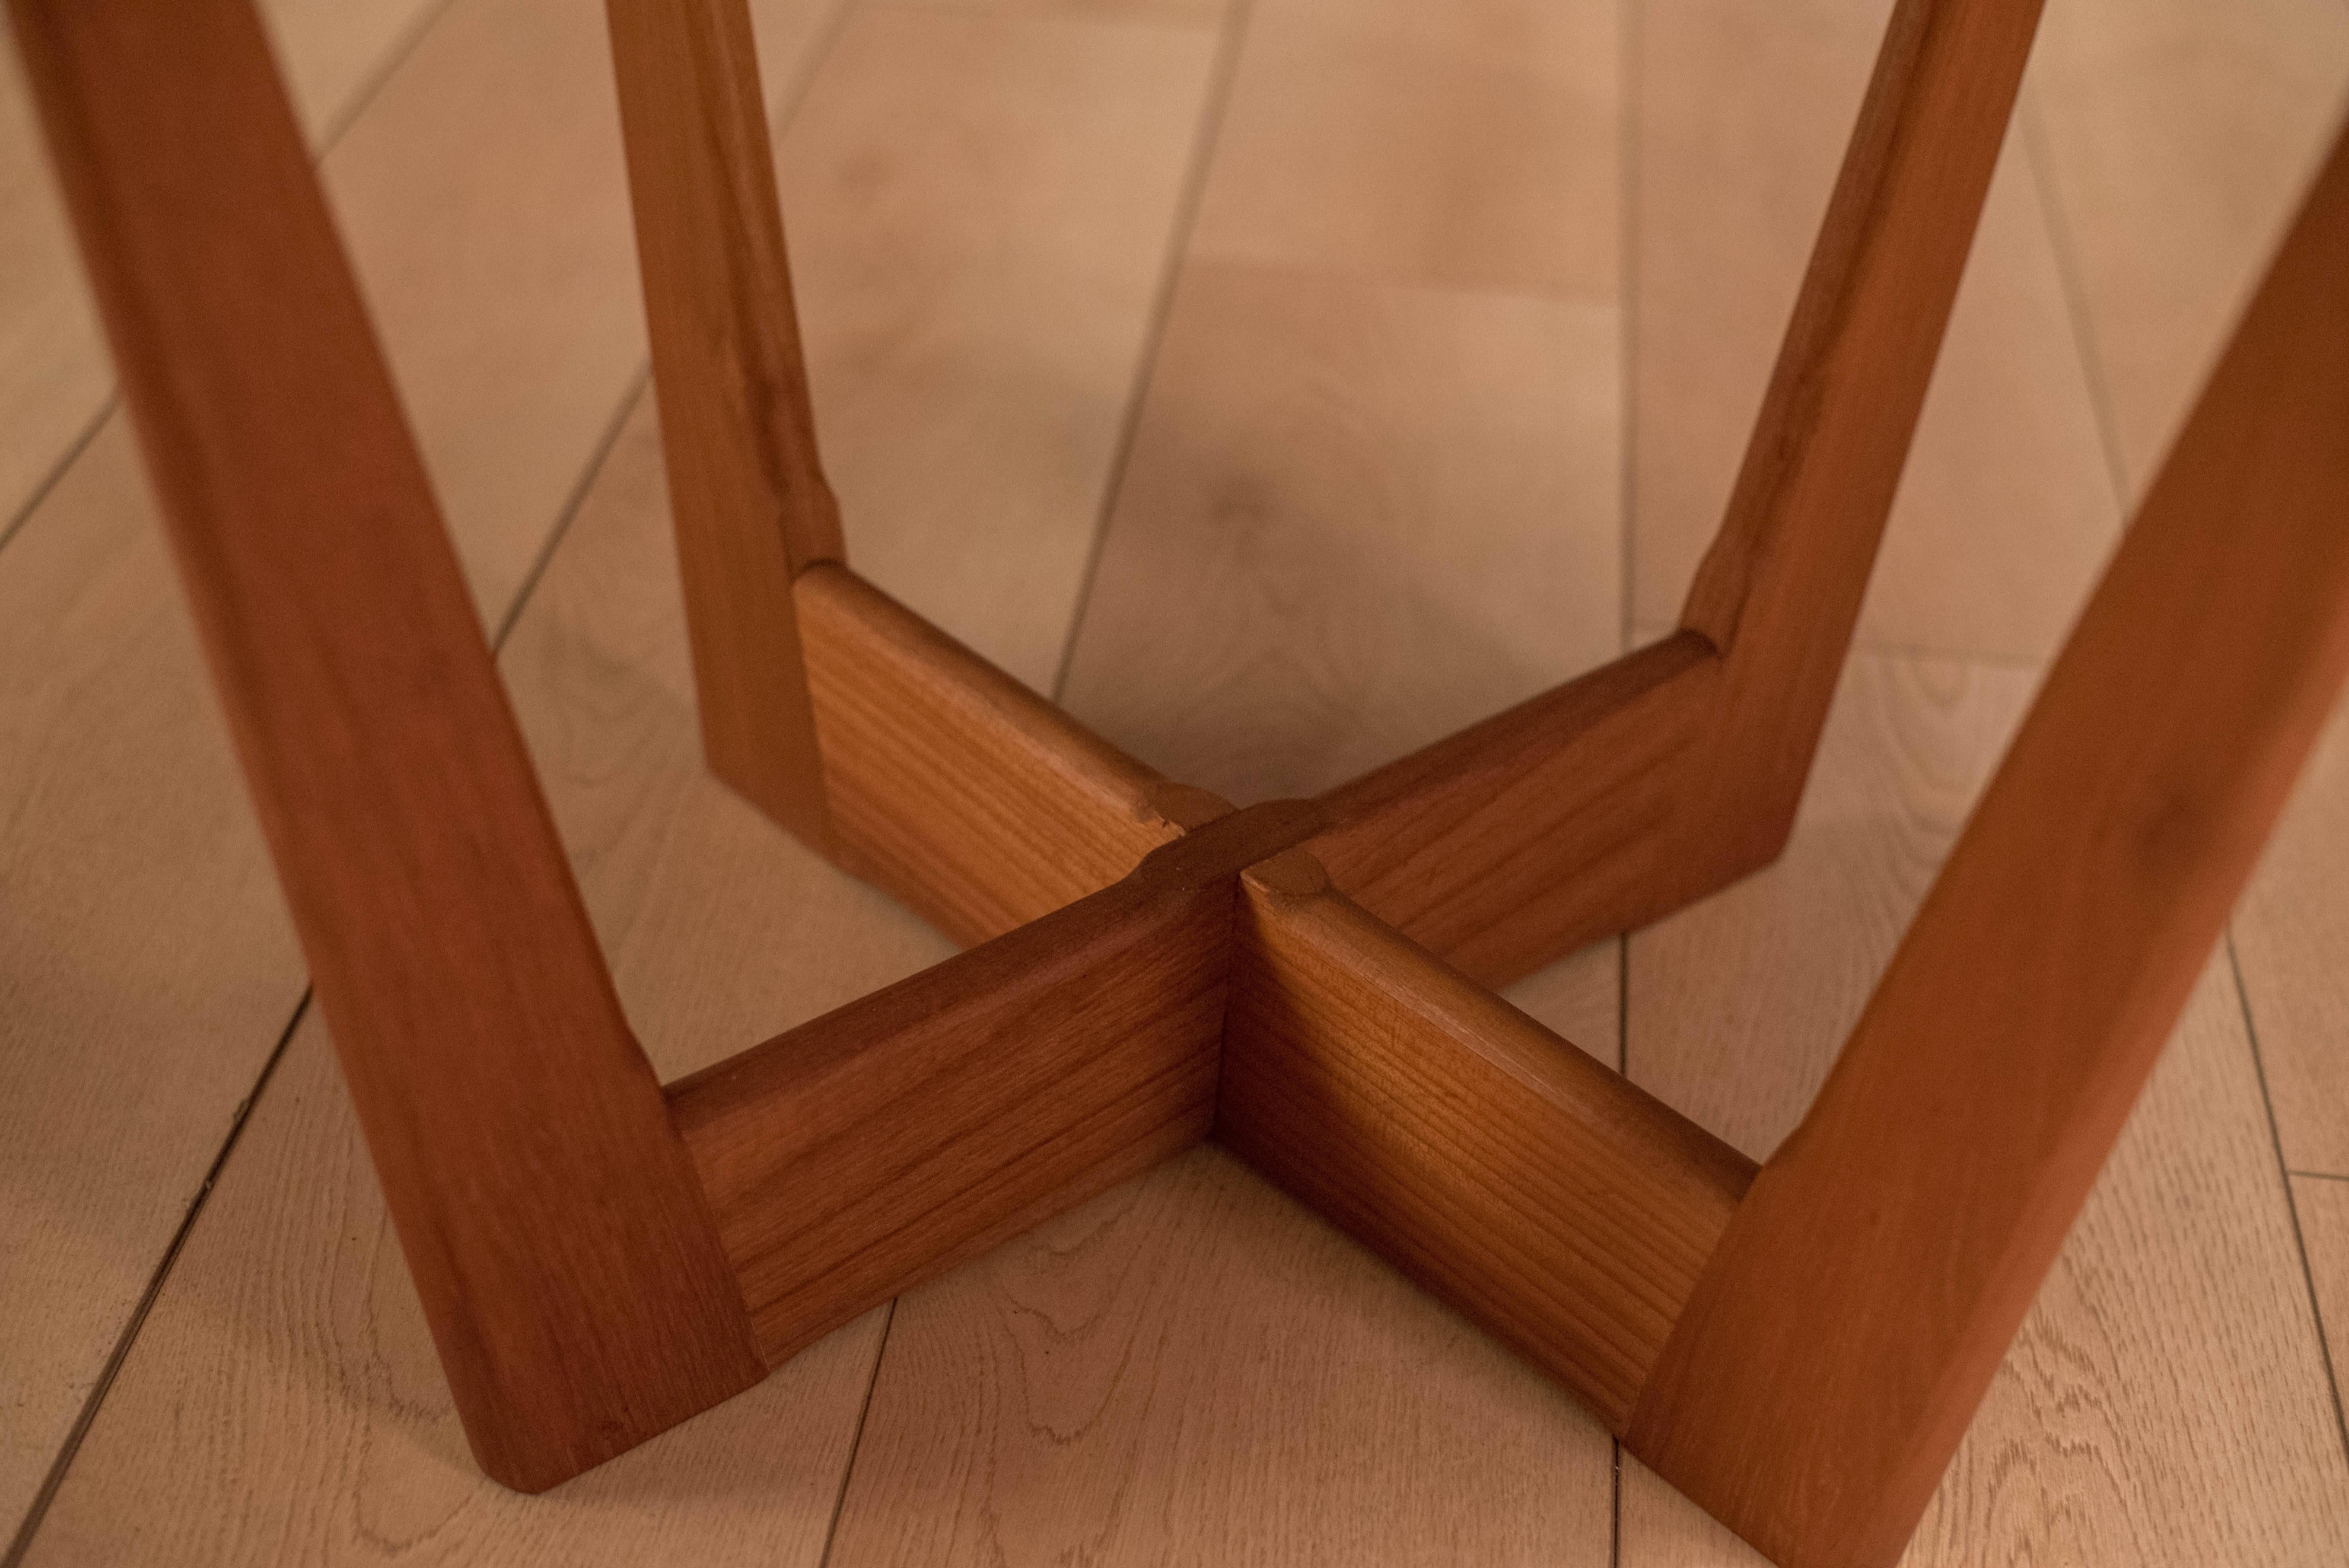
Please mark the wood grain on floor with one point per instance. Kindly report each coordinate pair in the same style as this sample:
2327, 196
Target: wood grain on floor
2322, 1203
1191, 1369
1324, 313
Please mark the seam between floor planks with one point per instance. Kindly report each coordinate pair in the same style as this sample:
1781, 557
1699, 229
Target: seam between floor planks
1231, 40
2291, 1198
370, 83
31, 1523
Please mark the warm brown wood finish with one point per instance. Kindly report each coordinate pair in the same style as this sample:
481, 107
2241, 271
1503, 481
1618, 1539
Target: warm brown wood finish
746, 493
876, 1146
1840, 1339
1545, 1196
562, 1247
1524, 837
1779, 591
1622, 795
1798, 1348
962, 792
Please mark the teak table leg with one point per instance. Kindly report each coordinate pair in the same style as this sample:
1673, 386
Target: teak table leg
750, 504
1619, 797
1837, 1346
565, 1253
1779, 591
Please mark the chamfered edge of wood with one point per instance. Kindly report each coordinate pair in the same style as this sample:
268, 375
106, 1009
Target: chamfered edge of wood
978, 802
1543, 1195
1513, 842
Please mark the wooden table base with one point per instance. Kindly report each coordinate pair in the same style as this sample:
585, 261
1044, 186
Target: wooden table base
1799, 1348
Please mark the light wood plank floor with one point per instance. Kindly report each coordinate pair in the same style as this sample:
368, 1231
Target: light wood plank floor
1280, 383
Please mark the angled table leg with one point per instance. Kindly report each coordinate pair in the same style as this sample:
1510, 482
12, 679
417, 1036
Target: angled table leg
1617, 798
751, 505
1779, 591
566, 1256
1837, 1344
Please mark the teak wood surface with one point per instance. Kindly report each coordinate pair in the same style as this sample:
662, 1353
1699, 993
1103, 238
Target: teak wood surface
1543, 1195
550, 1213
1984, 1089
1608, 803
573, 1243
752, 507
862, 1152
